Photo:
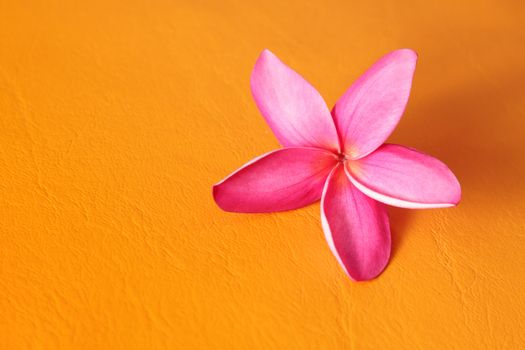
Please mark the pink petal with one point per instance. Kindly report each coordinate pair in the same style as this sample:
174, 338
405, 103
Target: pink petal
355, 226
285, 179
371, 108
404, 177
294, 110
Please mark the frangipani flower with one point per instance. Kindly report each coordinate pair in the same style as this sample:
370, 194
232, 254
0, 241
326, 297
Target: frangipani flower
340, 158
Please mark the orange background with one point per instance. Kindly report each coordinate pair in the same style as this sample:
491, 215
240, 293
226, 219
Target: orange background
117, 117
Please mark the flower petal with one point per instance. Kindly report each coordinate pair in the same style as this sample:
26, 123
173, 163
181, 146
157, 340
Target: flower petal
406, 178
355, 226
371, 108
294, 110
284, 179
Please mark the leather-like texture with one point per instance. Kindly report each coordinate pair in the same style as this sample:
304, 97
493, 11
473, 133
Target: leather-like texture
117, 118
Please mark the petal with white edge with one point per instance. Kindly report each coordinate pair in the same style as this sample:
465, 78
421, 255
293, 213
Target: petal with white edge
356, 227
403, 177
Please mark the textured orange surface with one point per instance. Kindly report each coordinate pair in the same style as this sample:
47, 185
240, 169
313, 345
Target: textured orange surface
116, 117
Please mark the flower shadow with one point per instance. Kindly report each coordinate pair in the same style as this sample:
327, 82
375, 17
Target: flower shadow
399, 224
473, 128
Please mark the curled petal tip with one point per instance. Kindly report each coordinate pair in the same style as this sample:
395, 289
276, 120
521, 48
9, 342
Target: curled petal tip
458, 192
267, 52
408, 52
267, 55
216, 196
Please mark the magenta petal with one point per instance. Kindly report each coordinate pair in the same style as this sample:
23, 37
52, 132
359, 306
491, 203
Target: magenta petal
355, 226
294, 110
371, 108
285, 179
404, 177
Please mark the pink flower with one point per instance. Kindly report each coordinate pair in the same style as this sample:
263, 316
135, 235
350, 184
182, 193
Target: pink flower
340, 158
